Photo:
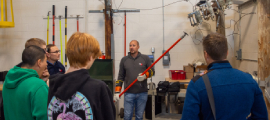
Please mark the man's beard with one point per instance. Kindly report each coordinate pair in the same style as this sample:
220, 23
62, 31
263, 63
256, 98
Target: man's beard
134, 52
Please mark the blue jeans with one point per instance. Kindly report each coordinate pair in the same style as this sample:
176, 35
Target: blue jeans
139, 100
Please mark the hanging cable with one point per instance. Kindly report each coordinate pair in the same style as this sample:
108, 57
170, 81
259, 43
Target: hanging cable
155, 7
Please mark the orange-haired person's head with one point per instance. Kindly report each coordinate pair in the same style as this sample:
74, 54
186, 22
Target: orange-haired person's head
82, 50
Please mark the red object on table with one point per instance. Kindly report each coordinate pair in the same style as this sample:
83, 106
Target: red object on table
177, 74
102, 56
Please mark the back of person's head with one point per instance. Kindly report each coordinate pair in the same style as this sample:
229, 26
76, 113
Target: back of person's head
216, 46
32, 54
80, 47
35, 41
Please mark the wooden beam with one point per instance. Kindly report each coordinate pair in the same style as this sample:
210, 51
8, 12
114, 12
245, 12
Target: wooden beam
263, 11
221, 26
108, 28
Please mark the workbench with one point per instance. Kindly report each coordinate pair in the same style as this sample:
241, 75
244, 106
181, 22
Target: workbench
186, 81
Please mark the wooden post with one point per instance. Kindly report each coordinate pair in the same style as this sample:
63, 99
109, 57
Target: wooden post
108, 28
263, 10
221, 29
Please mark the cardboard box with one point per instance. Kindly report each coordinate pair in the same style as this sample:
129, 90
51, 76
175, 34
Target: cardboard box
189, 75
201, 68
188, 68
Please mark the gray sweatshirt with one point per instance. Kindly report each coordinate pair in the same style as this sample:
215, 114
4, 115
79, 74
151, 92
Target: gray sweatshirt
130, 68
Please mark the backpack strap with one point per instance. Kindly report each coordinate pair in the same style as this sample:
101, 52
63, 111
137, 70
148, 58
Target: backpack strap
210, 94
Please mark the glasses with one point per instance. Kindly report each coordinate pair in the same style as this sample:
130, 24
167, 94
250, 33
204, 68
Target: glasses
58, 51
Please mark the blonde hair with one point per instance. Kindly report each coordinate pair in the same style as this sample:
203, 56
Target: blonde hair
35, 41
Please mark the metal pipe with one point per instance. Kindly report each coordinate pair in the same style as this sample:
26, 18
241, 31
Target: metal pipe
218, 22
67, 17
250, 60
240, 29
163, 23
125, 44
218, 4
154, 63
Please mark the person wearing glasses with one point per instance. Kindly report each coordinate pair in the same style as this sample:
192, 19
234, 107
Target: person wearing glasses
53, 55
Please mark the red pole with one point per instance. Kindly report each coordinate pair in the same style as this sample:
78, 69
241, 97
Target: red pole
77, 23
154, 63
125, 44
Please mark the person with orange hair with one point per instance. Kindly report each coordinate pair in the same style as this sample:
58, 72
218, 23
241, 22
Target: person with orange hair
75, 95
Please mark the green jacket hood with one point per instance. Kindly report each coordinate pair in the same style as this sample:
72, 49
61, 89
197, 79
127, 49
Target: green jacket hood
16, 75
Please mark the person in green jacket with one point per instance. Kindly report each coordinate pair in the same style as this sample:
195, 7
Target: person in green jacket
24, 94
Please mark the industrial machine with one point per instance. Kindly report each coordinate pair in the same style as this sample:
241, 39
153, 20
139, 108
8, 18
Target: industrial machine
102, 69
206, 9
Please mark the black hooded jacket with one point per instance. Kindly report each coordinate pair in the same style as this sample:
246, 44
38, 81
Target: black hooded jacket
77, 96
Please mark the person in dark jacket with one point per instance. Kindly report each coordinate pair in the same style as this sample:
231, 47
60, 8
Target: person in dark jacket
54, 66
131, 67
236, 93
75, 95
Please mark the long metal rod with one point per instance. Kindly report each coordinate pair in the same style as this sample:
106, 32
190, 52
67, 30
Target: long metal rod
218, 4
125, 44
163, 24
240, 12
154, 63
53, 24
218, 23
114, 11
250, 60
67, 18
66, 36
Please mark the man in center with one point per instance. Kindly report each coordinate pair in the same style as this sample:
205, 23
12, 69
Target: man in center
131, 67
